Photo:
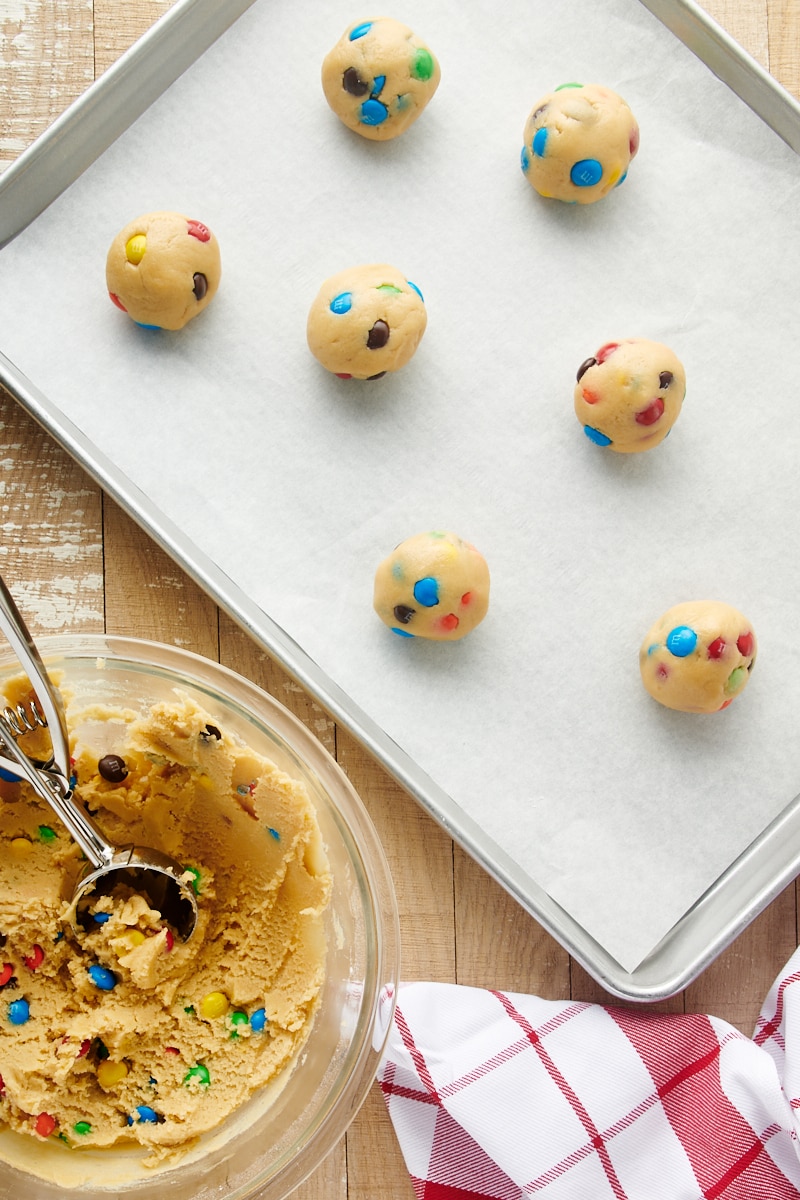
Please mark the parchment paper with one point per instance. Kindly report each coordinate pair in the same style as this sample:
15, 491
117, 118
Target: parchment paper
296, 484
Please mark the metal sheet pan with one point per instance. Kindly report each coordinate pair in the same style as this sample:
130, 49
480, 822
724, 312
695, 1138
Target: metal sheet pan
81, 135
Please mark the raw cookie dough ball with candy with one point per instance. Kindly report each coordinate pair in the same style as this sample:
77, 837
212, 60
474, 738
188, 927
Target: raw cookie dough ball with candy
578, 143
698, 656
378, 78
163, 269
629, 394
366, 321
433, 585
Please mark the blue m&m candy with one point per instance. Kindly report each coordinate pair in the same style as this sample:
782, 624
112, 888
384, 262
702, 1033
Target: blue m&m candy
373, 112
19, 1011
539, 143
594, 435
102, 978
681, 641
426, 591
360, 31
586, 173
342, 303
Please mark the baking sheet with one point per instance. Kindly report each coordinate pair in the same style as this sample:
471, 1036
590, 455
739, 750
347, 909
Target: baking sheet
294, 484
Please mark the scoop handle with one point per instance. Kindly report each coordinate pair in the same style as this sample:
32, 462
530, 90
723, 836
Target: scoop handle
53, 787
51, 784
15, 629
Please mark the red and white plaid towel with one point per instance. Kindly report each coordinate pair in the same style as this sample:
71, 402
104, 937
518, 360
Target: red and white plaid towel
504, 1096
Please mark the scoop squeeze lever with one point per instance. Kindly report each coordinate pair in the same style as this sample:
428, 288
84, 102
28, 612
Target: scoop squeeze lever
161, 880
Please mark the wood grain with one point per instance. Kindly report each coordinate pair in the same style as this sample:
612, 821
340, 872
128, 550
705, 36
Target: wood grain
46, 60
747, 23
75, 560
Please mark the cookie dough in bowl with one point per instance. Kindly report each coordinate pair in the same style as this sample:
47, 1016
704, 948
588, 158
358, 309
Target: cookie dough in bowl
379, 77
578, 143
433, 585
163, 269
698, 656
629, 394
171, 1070
366, 321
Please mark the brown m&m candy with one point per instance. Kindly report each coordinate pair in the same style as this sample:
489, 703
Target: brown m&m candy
112, 768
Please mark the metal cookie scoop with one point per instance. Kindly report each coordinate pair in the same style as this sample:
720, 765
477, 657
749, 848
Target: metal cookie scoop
152, 874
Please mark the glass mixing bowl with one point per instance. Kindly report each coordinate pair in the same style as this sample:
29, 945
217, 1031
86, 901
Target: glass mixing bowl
267, 1147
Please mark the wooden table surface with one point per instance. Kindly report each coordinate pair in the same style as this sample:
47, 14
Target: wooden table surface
75, 561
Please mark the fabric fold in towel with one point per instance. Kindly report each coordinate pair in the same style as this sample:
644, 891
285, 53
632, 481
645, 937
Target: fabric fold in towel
502, 1096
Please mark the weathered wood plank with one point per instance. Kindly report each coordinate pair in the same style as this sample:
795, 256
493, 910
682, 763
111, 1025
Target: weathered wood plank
46, 61
51, 537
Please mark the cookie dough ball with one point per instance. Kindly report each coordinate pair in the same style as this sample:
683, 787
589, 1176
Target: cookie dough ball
378, 78
366, 321
698, 656
163, 269
578, 143
433, 585
629, 394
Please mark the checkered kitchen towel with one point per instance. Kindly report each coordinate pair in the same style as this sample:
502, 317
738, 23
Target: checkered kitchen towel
504, 1096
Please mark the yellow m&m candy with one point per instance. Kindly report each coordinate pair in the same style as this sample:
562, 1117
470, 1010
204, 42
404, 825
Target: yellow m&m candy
109, 1073
215, 1004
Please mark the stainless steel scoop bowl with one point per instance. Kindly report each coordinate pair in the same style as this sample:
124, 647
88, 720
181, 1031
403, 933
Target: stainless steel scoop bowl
162, 881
